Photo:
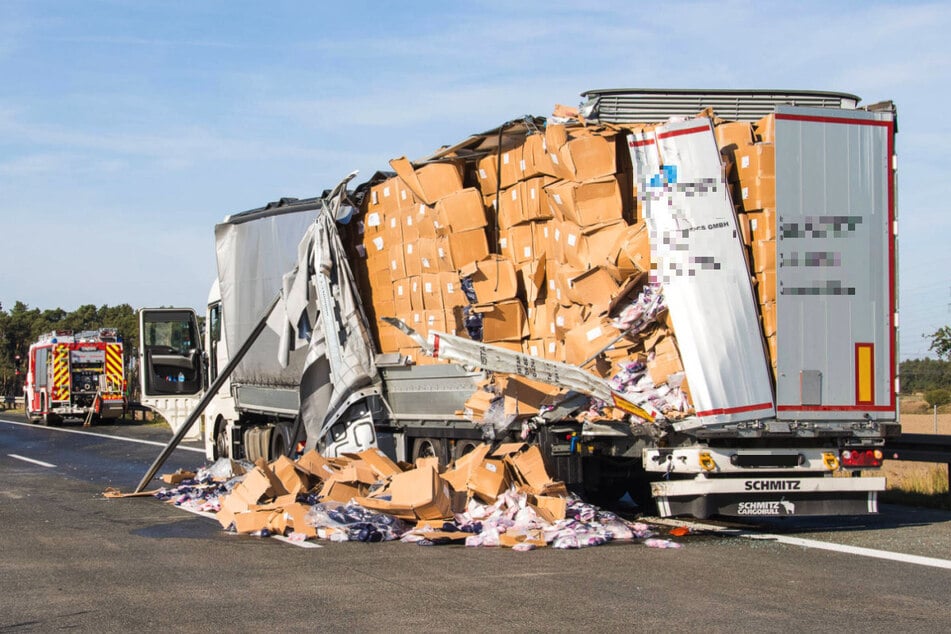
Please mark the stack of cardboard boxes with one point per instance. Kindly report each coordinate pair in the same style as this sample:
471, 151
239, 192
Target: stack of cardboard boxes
750, 149
547, 236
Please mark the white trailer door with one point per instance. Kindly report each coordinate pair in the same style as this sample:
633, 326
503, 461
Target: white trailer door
697, 256
835, 295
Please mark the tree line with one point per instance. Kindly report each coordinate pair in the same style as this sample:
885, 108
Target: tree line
22, 325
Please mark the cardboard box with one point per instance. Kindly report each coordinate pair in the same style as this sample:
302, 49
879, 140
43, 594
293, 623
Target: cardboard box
768, 312
587, 339
562, 287
764, 255
510, 207
503, 321
531, 277
536, 159
594, 287
461, 211
379, 462
295, 516
567, 318
762, 224
513, 537
733, 135
755, 160
340, 491
430, 182
487, 173
463, 248
518, 243
541, 320
493, 279
589, 157
252, 521
389, 195
417, 494
529, 395
588, 203
552, 508
665, 361
450, 286
766, 286
631, 251
765, 129
743, 222
397, 267
431, 291
316, 465
411, 261
293, 480
428, 257
487, 480
758, 193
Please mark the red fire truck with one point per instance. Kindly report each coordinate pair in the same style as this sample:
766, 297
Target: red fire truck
75, 375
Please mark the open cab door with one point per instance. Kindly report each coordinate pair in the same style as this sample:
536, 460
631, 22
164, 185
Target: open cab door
171, 366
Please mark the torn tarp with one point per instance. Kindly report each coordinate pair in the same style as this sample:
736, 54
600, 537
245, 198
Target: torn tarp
319, 306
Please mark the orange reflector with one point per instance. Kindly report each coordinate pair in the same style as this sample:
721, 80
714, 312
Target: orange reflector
864, 374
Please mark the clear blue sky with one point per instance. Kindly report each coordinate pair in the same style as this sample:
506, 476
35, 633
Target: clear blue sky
128, 128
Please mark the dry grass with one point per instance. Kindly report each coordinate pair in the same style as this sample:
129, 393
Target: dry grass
919, 483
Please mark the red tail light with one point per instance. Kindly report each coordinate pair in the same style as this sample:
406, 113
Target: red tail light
861, 457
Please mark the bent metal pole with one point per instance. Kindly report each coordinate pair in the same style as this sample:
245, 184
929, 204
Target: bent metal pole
212, 390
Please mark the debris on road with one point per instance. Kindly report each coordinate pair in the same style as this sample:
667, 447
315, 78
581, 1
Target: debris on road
486, 498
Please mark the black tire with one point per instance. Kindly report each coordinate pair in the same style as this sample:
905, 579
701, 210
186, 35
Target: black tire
462, 447
430, 447
221, 449
280, 441
49, 420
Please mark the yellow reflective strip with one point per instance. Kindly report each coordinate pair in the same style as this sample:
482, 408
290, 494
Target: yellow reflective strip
864, 376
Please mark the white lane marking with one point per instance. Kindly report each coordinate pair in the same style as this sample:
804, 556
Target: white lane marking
854, 550
279, 538
39, 462
809, 543
108, 436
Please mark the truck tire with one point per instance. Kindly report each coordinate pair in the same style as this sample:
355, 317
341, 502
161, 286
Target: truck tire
281, 441
221, 439
430, 447
462, 447
49, 420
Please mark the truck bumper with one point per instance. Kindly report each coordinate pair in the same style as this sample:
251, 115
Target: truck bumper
767, 496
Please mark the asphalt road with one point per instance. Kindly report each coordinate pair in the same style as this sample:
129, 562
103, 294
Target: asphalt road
71, 559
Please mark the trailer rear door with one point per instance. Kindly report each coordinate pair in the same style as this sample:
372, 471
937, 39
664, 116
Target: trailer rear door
835, 295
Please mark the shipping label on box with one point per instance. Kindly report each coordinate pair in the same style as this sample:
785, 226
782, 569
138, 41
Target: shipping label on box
432, 291
487, 174
451, 288
759, 192
755, 160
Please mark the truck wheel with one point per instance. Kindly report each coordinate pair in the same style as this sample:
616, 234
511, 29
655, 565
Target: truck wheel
221, 439
49, 420
462, 448
430, 448
280, 441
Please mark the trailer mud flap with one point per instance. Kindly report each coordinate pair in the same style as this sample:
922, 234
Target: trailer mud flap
768, 497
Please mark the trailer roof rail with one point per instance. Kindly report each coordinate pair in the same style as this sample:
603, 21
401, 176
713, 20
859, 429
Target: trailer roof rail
650, 105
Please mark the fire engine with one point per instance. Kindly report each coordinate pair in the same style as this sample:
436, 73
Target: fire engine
75, 375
